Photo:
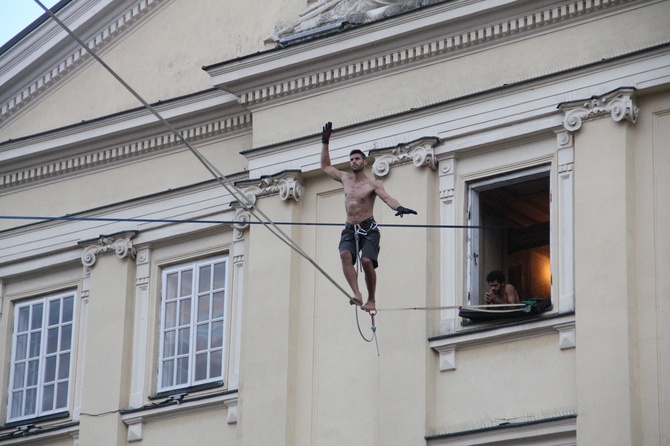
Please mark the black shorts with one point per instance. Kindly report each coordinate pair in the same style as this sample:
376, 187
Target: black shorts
368, 240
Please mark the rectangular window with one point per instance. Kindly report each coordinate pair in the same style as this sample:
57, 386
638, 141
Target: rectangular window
41, 364
514, 214
193, 324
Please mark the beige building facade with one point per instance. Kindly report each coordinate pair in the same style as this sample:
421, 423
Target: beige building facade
169, 273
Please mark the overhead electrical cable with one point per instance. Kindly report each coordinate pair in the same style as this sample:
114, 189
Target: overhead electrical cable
234, 222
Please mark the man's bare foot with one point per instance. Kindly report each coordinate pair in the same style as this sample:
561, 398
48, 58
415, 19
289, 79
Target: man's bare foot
356, 300
369, 306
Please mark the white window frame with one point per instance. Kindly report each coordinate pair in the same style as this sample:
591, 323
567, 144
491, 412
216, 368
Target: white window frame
474, 293
168, 351
51, 335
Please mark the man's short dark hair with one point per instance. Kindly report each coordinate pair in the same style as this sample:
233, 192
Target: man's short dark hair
495, 276
357, 151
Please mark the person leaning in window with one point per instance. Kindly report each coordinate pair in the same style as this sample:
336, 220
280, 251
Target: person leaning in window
499, 291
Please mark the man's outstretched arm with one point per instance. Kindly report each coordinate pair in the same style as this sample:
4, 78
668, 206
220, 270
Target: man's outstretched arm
326, 166
391, 202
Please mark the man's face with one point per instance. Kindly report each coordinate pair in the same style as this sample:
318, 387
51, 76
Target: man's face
357, 162
496, 287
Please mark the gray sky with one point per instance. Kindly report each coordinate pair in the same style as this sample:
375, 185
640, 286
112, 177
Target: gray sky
17, 14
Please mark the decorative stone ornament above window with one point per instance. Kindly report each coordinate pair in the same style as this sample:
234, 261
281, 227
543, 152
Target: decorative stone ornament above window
421, 152
326, 12
618, 104
120, 244
287, 184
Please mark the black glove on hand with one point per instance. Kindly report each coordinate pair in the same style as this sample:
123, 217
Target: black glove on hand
325, 134
402, 211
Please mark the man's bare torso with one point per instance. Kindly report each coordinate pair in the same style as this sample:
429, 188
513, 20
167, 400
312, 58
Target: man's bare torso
359, 197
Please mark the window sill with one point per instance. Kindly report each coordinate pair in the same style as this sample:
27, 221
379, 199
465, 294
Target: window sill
446, 345
136, 418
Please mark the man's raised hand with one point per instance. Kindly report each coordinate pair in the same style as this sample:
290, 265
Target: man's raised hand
400, 211
325, 134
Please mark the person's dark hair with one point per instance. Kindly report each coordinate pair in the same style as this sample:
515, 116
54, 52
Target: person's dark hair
357, 151
495, 276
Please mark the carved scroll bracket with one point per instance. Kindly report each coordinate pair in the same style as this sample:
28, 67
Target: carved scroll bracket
420, 152
120, 244
619, 104
287, 184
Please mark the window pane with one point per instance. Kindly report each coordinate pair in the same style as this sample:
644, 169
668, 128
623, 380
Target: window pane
217, 334
54, 312
48, 397
186, 283
33, 372
216, 364
50, 369
169, 343
36, 321
24, 314
19, 375
185, 312
201, 367
202, 338
17, 404
219, 275
167, 373
66, 337
184, 341
205, 278
68, 309
171, 286
203, 308
64, 366
171, 315
52, 340
218, 304
21, 347
61, 395
35, 342
182, 370
31, 402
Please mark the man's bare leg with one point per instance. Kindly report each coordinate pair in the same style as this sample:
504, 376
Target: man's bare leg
370, 282
351, 277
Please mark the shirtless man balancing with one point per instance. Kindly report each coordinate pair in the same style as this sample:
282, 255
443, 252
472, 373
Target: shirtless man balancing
360, 192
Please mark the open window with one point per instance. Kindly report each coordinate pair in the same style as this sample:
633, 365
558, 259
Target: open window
510, 231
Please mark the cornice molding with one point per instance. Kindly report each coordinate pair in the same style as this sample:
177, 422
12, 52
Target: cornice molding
258, 86
102, 39
619, 104
122, 152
